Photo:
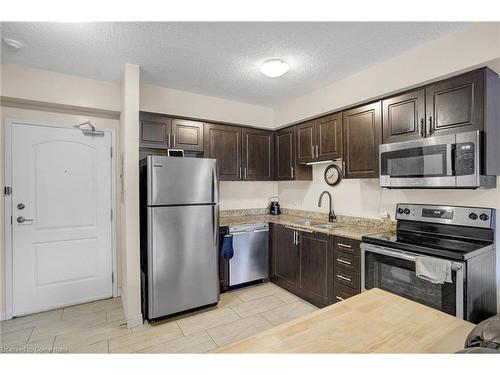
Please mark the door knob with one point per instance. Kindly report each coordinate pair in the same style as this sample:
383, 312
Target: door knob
21, 206
22, 219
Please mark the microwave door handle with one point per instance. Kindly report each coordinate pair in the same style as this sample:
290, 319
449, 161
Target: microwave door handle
449, 156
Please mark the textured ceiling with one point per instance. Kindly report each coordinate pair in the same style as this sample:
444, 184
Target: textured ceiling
218, 59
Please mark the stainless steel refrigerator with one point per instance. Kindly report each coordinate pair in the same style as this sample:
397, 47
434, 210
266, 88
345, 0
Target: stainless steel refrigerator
179, 234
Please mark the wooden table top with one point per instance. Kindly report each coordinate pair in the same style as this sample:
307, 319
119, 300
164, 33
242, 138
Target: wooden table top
372, 322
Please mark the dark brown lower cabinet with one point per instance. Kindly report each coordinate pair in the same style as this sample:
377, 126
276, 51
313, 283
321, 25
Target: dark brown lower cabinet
346, 268
302, 263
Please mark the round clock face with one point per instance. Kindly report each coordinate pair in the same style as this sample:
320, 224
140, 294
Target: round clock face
333, 174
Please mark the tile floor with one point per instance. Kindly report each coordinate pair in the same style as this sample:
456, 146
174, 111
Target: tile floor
99, 327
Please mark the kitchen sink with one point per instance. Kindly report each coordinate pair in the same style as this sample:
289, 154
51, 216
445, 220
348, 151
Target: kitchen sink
307, 222
326, 226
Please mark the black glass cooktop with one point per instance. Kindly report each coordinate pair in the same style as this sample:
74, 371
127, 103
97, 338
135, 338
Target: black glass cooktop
429, 244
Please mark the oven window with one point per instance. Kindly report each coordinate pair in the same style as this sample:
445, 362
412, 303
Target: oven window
398, 276
429, 161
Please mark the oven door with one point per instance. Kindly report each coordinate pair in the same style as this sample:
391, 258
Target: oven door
394, 271
418, 163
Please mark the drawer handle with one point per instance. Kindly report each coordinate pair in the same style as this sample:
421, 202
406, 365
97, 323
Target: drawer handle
344, 261
339, 298
344, 278
344, 245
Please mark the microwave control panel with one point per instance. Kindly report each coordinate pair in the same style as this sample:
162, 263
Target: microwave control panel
464, 159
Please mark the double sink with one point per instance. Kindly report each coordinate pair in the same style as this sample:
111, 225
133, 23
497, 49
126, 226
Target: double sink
316, 224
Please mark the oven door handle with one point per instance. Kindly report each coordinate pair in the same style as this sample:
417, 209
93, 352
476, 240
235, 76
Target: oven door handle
392, 253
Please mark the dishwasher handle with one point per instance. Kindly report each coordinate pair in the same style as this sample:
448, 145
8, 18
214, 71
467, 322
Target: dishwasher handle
261, 230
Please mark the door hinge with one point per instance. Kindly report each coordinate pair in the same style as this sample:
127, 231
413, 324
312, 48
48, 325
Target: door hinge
111, 214
7, 190
111, 151
112, 277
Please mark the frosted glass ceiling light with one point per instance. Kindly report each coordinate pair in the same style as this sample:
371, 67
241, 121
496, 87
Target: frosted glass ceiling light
274, 68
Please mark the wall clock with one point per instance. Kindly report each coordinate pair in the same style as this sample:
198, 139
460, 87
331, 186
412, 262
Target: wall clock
333, 174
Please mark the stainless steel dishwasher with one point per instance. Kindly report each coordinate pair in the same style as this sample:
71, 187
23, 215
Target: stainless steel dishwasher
251, 253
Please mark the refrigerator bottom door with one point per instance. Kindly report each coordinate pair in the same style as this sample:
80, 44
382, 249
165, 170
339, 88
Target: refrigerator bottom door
182, 258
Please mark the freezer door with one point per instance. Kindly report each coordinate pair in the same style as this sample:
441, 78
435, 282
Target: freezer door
182, 258
178, 181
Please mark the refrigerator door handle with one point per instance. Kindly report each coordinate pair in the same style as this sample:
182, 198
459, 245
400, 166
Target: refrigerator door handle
216, 183
216, 225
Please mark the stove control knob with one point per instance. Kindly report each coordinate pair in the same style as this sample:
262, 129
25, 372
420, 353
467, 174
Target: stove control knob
400, 210
472, 216
484, 217
407, 211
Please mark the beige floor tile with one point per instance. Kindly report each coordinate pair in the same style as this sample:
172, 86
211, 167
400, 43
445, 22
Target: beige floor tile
288, 312
30, 320
15, 338
83, 315
258, 305
238, 330
37, 347
65, 327
229, 300
74, 341
100, 347
197, 343
287, 297
257, 291
115, 315
145, 338
207, 320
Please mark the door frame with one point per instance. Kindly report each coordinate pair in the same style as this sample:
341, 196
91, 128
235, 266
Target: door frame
8, 225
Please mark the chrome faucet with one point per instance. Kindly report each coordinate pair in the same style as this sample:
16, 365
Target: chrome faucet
331, 214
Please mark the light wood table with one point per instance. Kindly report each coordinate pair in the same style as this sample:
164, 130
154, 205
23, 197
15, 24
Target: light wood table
372, 322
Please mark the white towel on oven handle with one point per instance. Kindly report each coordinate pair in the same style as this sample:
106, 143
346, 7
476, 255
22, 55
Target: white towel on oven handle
435, 270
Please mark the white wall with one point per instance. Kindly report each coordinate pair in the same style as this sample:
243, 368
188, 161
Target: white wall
188, 104
243, 195
129, 161
475, 45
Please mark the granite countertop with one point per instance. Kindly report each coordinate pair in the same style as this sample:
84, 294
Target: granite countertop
349, 227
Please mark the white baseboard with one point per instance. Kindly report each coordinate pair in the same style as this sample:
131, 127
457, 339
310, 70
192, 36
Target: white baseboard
135, 322
3, 315
118, 292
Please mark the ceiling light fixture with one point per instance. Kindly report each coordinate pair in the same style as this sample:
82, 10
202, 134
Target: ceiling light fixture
274, 68
13, 43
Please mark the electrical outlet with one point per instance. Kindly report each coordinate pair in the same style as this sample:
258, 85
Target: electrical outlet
384, 215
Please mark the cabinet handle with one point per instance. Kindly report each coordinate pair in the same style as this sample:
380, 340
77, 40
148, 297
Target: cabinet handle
291, 172
313, 151
343, 169
245, 169
240, 173
339, 298
430, 126
344, 261
344, 278
173, 135
344, 245
168, 141
421, 130
317, 151
294, 238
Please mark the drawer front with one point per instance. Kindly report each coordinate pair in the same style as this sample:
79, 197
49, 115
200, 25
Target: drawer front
342, 292
347, 261
348, 245
347, 278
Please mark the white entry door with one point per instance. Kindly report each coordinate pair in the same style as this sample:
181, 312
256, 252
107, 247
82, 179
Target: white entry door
61, 218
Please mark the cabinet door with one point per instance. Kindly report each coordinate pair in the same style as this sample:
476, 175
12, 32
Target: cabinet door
284, 258
403, 117
284, 154
258, 154
362, 136
329, 136
306, 140
223, 143
187, 135
316, 267
455, 105
154, 131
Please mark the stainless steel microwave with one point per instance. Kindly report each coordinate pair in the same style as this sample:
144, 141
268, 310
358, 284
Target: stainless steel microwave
448, 161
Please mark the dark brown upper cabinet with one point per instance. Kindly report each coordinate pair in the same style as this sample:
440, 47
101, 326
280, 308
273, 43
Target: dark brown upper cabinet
154, 131
257, 154
456, 104
362, 135
223, 143
329, 137
403, 116
306, 141
187, 135
286, 167
320, 139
